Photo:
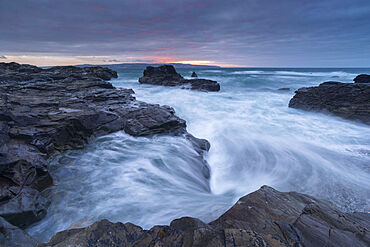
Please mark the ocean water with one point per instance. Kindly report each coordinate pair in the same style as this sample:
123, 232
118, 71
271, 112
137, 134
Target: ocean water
255, 140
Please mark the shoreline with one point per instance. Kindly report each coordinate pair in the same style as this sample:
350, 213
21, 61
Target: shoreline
168, 123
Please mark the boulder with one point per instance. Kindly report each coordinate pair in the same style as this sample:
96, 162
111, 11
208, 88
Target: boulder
363, 78
166, 75
346, 100
263, 218
194, 74
44, 111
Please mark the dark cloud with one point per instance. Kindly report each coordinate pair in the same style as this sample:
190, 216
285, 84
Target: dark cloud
2, 57
245, 32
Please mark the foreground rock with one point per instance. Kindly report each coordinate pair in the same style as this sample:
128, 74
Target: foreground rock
263, 218
44, 111
12, 236
363, 78
166, 75
347, 100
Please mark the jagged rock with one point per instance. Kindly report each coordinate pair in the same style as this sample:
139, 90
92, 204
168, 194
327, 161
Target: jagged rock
263, 218
39, 117
166, 75
11, 236
10, 72
347, 100
194, 74
363, 78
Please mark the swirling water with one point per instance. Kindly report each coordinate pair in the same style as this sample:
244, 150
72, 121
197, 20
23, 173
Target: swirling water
255, 140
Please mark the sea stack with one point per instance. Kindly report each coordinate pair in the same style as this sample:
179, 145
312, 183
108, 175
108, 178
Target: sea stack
166, 75
194, 74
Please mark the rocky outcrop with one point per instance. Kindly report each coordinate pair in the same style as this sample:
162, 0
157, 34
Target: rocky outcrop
363, 78
166, 75
194, 74
39, 117
263, 218
347, 100
11, 72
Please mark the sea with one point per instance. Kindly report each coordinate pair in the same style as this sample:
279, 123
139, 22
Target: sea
256, 139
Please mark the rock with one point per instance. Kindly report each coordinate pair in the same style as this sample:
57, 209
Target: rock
363, 78
44, 111
166, 75
10, 72
263, 218
203, 85
346, 100
194, 74
11, 236
25, 208
284, 89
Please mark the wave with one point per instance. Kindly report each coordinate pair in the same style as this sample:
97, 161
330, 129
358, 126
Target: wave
339, 74
212, 71
320, 74
250, 72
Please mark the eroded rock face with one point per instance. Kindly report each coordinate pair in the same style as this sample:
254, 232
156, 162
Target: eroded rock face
12, 236
347, 100
39, 117
166, 75
263, 218
363, 78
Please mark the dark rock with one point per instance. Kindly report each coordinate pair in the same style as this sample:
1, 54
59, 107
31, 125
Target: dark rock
194, 74
166, 75
43, 111
12, 236
25, 208
11, 72
284, 89
263, 218
363, 78
347, 100
203, 85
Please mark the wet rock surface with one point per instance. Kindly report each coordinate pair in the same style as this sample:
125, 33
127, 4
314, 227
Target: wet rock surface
346, 100
363, 78
45, 111
12, 236
166, 75
263, 218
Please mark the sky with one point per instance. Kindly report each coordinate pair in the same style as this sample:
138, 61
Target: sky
245, 33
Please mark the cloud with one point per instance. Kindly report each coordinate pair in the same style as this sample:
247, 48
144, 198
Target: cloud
245, 32
2, 57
